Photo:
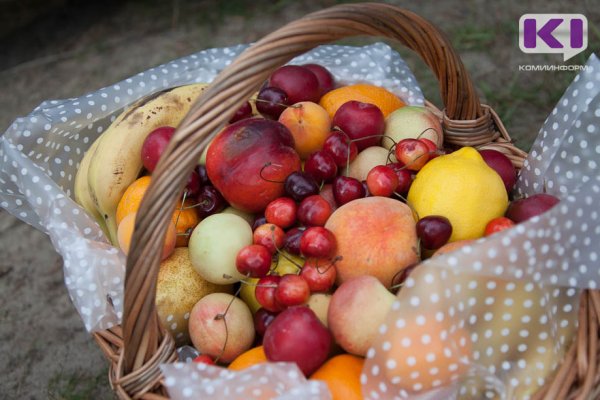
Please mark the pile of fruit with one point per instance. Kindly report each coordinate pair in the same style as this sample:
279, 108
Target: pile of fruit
302, 219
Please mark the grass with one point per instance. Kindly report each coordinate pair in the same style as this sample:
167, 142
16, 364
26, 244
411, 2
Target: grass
75, 386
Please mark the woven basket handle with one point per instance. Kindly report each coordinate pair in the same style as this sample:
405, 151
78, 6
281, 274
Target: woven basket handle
144, 339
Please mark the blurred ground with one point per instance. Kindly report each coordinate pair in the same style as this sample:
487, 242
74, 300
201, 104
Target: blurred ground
59, 48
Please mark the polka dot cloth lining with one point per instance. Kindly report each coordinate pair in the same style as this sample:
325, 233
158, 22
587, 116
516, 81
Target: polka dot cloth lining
493, 319
40, 154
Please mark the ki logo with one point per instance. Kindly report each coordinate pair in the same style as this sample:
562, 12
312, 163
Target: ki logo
566, 34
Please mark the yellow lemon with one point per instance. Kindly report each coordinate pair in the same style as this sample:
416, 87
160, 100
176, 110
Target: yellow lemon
461, 187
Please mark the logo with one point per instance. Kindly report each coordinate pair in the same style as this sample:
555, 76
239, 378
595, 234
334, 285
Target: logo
566, 34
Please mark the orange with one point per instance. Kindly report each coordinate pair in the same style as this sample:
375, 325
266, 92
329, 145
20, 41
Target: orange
130, 202
342, 375
125, 233
185, 219
255, 355
363, 92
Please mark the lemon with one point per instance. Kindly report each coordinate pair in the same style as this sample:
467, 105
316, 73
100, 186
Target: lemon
461, 187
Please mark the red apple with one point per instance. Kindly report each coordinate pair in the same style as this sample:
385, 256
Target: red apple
363, 122
523, 209
502, 165
297, 335
248, 161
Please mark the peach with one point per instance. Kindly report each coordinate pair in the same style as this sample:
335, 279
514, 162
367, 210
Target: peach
310, 125
125, 232
412, 122
375, 236
207, 326
421, 359
356, 310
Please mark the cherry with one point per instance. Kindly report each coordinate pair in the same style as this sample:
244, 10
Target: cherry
262, 319
291, 242
254, 261
319, 273
299, 83
202, 175
271, 102
193, 184
321, 166
339, 146
346, 189
154, 145
413, 153
404, 177
314, 211
204, 359
432, 147
210, 201
317, 242
434, 231
403, 274
281, 212
258, 221
245, 111
265, 293
497, 225
326, 81
299, 185
362, 122
292, 291
270, 236
366, 187
382, 181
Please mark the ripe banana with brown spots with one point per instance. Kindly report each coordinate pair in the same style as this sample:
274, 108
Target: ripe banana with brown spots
116, 161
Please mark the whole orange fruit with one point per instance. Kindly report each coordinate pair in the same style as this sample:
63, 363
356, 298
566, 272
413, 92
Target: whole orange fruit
342, 375
255, 355
385, 100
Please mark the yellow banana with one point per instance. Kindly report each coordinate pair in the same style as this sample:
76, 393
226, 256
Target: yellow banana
116, 161
81, 189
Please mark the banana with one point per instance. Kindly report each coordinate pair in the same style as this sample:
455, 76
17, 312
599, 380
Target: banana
81, 189
116, 162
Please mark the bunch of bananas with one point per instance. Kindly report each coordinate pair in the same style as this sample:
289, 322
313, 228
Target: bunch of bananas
113, 161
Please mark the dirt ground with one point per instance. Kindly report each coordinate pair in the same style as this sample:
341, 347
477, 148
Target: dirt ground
61, 48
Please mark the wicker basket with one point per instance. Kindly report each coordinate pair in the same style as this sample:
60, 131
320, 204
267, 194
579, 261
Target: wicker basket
140, 345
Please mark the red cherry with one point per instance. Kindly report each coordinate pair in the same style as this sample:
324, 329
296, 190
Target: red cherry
321, 166
254, 261
413, 153
317, 242
245, 111
265, 293
434, 231
210, 201
497, 225
382, 181
281, 212
432, 147
193, 184
292, 291
271, 102
269, 235
346, 189
299, 185
319, 273
262, 319
204, 359
404, 177
314, 211
341, 148
292, 240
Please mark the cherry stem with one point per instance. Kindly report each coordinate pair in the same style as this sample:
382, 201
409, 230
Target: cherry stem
281, 253
416, 214
425, 130
273, 102
181, 208
268, 165
202, 203
329, 265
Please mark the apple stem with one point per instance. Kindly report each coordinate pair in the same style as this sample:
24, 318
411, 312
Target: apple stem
221, 316
268, 165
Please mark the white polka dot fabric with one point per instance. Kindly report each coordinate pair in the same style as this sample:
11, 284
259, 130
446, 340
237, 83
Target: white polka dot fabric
40, 154
281, 381
494, 318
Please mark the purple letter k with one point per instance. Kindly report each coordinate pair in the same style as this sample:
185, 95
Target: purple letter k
545, 33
